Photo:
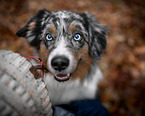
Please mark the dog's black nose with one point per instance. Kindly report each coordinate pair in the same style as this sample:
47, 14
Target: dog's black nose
60, 63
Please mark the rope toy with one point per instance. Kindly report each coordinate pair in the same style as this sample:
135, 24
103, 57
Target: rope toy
41, 63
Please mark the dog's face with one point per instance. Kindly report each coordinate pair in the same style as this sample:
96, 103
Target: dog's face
68, 42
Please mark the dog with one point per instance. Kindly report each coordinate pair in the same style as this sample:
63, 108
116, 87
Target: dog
70, 44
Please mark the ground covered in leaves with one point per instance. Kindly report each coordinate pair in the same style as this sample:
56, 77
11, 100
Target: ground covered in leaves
122, 91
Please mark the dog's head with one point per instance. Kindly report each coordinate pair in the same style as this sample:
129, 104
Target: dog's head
67, 41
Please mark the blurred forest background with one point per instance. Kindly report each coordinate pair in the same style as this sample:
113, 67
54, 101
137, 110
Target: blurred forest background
122, 91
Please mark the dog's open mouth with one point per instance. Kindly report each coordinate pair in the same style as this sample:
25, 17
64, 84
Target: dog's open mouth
62, 77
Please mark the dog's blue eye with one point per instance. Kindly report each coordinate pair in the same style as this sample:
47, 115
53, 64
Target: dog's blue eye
49, 37
77, 37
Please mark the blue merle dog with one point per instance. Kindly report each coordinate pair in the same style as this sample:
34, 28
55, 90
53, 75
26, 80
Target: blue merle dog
70, 45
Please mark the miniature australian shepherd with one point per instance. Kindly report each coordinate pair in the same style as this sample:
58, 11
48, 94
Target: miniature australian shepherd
70, 45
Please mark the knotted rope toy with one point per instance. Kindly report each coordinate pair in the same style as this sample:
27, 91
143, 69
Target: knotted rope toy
20, 93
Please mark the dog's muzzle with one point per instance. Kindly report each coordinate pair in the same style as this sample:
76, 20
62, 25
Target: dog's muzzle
59, 64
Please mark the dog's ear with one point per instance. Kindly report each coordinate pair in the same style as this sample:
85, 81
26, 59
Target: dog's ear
33, 28
97, 39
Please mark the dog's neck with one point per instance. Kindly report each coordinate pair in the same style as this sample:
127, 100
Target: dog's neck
69, 91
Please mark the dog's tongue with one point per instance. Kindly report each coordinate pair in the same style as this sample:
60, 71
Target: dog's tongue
61, 75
